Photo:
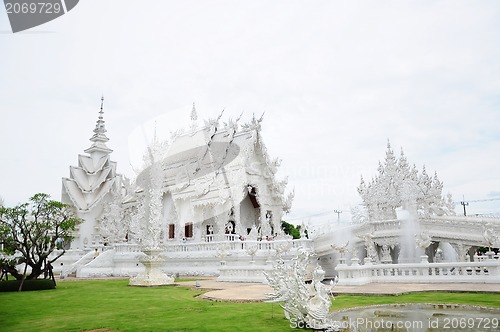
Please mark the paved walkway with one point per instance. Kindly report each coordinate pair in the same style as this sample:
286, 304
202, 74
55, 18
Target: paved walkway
251, 292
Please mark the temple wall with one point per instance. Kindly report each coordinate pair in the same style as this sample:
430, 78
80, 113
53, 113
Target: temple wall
87, 236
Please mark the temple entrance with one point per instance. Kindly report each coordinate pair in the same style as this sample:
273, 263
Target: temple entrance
249, 210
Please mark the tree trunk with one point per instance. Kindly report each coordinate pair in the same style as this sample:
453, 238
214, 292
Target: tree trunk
24, 277
13, 272
36, 269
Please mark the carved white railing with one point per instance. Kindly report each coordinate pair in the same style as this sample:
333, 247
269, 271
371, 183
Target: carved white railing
220, 237
237, 245
485, 257
248, 273
127, 247
485, 271
218, 245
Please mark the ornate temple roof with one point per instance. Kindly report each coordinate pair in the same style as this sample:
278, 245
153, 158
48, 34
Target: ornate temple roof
95, 174
211, 164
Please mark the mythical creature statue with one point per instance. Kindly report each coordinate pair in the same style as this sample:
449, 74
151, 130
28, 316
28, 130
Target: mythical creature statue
423, 240
342, 249
307, 304
490, 236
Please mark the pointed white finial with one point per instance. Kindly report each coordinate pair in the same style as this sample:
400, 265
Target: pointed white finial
194, 116
100, 129
99, 138
101, 112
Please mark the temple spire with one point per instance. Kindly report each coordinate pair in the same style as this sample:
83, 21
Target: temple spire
99, 138
100, 128
194, 118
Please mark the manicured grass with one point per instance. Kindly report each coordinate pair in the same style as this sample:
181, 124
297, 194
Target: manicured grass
111, 305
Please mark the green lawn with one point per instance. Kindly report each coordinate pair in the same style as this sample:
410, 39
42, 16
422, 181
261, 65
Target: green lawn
111, 305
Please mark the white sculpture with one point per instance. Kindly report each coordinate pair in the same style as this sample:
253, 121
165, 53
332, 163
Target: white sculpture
113, 225
399, 185
222, 251
305, 304
283, 244
342, 250
148, 226
371, 251
423, 240
252, 250
490, 236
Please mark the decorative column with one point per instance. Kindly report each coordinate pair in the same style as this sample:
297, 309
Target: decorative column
148, 225
461, 250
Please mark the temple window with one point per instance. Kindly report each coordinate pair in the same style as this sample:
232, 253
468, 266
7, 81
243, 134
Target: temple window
171, 231
230, 227
188, 230
210, 229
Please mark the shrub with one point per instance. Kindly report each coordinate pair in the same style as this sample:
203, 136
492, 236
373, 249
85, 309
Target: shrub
29, 285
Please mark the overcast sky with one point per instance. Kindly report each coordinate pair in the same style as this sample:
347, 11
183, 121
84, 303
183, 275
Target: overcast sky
335, 79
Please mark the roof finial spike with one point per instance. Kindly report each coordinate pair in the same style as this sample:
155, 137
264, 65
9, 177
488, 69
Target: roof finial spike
194, 118
194, 115
99, 138
154, 136
101, 112
100, 128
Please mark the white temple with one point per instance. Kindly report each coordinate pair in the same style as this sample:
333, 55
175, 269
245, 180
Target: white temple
218, 182
210, 192
208, 202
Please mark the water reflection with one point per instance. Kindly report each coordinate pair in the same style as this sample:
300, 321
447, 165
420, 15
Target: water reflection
417, 317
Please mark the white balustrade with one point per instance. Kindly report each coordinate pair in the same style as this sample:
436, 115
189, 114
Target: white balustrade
127, 247
236, 245
484, 271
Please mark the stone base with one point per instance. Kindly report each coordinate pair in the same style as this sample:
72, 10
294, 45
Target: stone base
153, 276
151, 279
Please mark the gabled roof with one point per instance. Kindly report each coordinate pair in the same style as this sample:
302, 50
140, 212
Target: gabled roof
89, 182
85, 201
207, 164
92, 165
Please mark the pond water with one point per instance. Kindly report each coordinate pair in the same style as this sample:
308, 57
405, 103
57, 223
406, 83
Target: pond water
417, 317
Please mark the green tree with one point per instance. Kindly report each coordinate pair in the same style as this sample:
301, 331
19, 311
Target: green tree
33, 231
290, 229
